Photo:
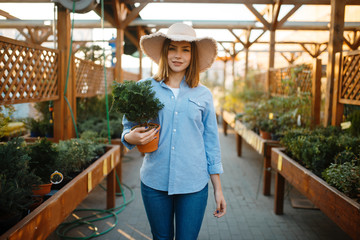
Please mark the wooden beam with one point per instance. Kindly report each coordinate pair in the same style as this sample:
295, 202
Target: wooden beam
237, 38
132, 39
310, 2
275, 15
335, 45
258, 16
288, 15
133, 14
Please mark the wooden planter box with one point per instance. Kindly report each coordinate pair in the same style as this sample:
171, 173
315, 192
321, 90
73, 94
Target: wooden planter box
341, 209
45, 219
262, 146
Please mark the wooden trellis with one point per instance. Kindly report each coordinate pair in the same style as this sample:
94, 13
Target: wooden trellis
302, 78
28, 72
347, 84
289, 80
90, 79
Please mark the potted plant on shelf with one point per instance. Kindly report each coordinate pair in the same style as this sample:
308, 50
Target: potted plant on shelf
16, 183
137, 101
43, 156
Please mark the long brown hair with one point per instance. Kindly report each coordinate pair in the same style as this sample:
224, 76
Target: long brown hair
192, 73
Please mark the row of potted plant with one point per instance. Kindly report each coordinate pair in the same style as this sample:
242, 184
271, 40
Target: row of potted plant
26, 166
331, 153
270, 117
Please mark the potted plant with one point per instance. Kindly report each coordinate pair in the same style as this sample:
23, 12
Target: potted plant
43, 156
137, 101
16, 183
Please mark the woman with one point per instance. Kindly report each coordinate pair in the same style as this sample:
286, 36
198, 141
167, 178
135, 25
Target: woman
174, 178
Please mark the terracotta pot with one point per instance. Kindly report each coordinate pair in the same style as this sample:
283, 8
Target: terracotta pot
153, 145
265, 135
42, 189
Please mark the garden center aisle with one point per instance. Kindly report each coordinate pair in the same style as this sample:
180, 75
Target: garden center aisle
249, 216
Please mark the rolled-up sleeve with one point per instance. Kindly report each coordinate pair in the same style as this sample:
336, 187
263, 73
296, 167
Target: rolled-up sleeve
211, 139
127, 125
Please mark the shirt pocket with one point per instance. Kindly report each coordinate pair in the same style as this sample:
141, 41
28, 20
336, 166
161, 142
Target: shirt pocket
195, 109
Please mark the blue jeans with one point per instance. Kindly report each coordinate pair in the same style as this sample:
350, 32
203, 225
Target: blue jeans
188, 209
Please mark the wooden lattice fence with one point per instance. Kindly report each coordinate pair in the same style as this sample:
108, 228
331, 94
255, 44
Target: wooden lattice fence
28, 72
347, 84
290, 80
90, 79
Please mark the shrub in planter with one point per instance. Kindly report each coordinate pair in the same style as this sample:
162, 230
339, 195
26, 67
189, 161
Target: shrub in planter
16, 181
354, 118
317, 149
75, 155
137, 101
43, 156
345, 177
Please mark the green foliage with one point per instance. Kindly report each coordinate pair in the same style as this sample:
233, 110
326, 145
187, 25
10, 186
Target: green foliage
75, 155
43, 155
285, 112
317, 149
16, 179
99, 125
93, 136
136, 100
345, 177
354, 118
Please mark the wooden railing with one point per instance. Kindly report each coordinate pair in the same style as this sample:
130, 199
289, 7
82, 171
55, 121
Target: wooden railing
28, 72
347, 84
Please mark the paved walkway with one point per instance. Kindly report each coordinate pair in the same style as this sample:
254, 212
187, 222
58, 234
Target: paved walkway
249, 214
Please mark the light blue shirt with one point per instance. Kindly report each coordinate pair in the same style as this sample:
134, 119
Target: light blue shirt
189, 148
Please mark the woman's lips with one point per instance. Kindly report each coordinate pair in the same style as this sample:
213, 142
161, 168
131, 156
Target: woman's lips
177, 63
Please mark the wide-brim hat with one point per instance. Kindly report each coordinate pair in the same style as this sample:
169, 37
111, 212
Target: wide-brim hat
152, 44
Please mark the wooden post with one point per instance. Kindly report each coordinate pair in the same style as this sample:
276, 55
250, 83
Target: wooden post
335, 45
279, 194
316, 93
225, 126
63, 125
267, 170
271, 59
119, 73
238, 144
110, 190
246, 48
337, 107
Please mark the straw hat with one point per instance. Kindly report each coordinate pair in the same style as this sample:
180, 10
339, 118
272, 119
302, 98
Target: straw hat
153, 43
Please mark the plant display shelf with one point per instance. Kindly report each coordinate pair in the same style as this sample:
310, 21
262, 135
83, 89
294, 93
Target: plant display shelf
344, 211
44, 219
260, 145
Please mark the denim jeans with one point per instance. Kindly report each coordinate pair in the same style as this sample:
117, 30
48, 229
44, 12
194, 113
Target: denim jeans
188, 210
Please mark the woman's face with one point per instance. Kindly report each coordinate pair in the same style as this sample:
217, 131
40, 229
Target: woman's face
179, 55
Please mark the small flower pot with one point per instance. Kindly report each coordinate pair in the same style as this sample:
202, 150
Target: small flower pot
153, 145
265, 135
42, 189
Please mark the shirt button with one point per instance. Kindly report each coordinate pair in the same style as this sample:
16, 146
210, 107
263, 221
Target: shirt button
176, 113
172, 97
174, 130
173, 148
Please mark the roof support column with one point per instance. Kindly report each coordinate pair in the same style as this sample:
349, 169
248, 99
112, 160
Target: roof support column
335, 45
63, 125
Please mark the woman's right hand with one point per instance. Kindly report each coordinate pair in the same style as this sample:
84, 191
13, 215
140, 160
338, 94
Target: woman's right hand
140, 136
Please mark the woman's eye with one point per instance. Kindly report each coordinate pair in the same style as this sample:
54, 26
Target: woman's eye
186, 50
171, 49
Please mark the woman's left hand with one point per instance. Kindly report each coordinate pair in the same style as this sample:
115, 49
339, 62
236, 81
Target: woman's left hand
220, 204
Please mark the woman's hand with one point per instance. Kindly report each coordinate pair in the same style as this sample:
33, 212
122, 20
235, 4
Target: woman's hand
219, 196
220, 204
140, 136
